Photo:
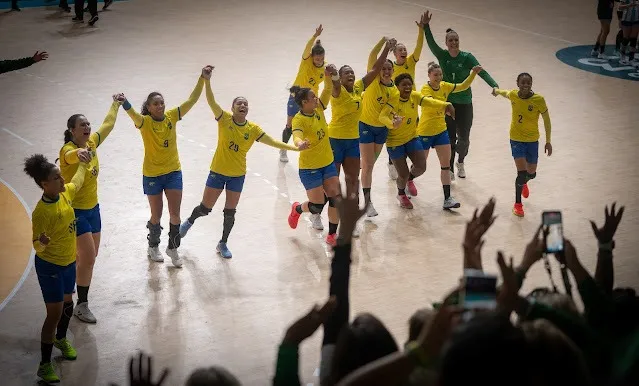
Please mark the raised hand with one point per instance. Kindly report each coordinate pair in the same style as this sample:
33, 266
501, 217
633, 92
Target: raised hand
330, 70
84, 155
423, 20
534, 250
475, 230
141, 376
494, 92
450, 110
393, 43
38, 56
119, 98
306, 326
207, 71
509, 291
478, 69
613, 218
318, 31
427, 17
548, 149
397, 121
44, 239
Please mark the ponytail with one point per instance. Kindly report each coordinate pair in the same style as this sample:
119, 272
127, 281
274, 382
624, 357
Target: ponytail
68, 137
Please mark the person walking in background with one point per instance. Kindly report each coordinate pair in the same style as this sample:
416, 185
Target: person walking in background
79, 11
18, 64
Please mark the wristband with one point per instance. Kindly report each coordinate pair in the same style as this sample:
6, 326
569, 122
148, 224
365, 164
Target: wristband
126, 104
608, 247
335, 77
416, 352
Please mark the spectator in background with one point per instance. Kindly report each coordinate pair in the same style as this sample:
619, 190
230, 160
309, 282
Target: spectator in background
18, 64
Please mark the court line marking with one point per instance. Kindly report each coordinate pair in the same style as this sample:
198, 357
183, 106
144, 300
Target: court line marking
17, 136
487, 22
31, 257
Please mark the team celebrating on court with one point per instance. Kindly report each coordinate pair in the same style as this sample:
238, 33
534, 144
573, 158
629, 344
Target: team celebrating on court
382, 107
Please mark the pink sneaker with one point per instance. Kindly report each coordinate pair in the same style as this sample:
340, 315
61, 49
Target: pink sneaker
404, 201
293, 217
412, 189
331, 239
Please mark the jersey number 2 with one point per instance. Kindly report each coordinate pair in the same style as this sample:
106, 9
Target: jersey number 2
520, 118
357, 104
234, 146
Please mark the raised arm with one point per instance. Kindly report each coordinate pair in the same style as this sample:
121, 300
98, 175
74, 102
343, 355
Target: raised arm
423, 101
372, 57
137, 118
309, 45
18, 64
420, 38
430, 40
379, 62
109, 121
500, 92
472, 62
465, 85
330, 73
268, 140
195, 95
77, 181
210, 98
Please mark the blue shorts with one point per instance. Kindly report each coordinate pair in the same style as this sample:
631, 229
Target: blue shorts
156, 185
291, 107
55, 280
402, 151
219, 181
88, 220
312, 178
370, 134
528, 150
435, 140
343, 148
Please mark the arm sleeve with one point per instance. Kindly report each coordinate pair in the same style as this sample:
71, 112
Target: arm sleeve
418, 46
287, 367
484, 74
195, 95
546, 116
503, 93
108, 124
430, 40
372, 57
325, 97
137, 118
210, 98
298, 135
308, 48
465, 85
16, 64
385, 116
77, 181
270, 141
38, 226
425, 101
71, 156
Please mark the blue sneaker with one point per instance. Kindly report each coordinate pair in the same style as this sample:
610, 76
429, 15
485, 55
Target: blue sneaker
223, 250
184, 228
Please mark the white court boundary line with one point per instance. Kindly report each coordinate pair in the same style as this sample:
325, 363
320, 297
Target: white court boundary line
487, 22
31, 258
17, 136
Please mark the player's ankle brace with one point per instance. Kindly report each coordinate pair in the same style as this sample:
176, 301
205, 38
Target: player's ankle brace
174, 236
155, 230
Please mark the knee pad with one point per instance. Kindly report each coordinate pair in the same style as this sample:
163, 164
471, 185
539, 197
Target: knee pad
521, 178
229, 212
446, 168
174, 236
202, 210
315, 208
531, 176
155, 230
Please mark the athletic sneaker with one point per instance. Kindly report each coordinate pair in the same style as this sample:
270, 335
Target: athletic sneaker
107, 3
283, 156
316, 221
77, 20
392, 172
47, 373
461, 172
411, 188
66, 9
404, 201
82, 312
370, 211
452, 175
93, 20
624, 61
602, 56
184, 228
524, 191
293, 217
518, 210
155, 255
223, 250
451, 203
175, 258
331, 239
68, 352
594, 52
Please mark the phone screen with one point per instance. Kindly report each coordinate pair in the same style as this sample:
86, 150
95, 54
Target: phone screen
555, 239
479, 291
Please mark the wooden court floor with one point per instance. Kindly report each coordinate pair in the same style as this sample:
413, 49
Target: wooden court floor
234, 312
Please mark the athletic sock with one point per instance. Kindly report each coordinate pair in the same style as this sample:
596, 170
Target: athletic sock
45, 351
83, 294
411, 177
298, 209
332, 228
367, 193
63, 324
401, 192
446, 191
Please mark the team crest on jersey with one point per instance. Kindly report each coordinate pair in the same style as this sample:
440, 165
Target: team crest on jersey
379, 99
406, 67
318, 117
530, 107
169, 125
246, 136
412, 105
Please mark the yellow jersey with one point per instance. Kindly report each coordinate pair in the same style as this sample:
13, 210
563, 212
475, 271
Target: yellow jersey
233, 143
57, 220
346, 110
313, 128
433, 118
308, 74
375, 98
407, 68
160, 144
524, 126
87, 197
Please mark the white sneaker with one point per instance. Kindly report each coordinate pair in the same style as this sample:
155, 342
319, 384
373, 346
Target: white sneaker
451, 203
452, 175
82, 312
594, 52
392, 172
602, 56
155, 255
175, 258
624, 61
283, 156
316, 222
461, 172
370, 211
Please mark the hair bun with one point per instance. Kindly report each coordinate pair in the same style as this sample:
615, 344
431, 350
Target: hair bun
430, 63
318, 42
449, 30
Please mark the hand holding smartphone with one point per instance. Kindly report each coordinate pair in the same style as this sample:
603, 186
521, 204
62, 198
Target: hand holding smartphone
479, 290
553, 231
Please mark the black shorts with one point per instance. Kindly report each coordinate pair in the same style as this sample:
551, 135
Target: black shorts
605, 9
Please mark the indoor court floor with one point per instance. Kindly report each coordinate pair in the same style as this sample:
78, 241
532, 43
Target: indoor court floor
234, 313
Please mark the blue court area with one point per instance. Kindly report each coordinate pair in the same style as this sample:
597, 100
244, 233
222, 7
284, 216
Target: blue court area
579, 57
6, 4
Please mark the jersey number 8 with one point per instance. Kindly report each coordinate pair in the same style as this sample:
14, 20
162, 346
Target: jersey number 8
166, 143
234, 146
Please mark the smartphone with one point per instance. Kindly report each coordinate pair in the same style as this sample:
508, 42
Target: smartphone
479, 290
554, 227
